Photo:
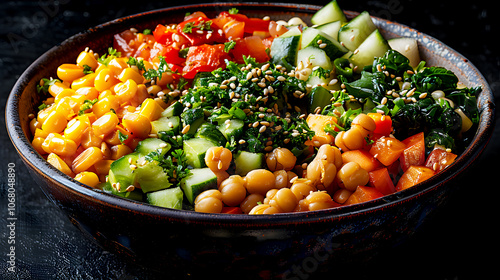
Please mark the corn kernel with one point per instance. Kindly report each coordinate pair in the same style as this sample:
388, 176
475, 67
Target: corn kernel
117, 65
90, 93
40, 133
76, 128
88, 178
118, 151
46, 142
106, 151
62, 146
69, 72
43, 114
140, 95
130, 73
105, 79
102, 167
90, 139
67, 92
85, 81
126, 91
86, 159
37, 144
105, 105
112, 138
55, 122
34, 124
105, 124
137, 124
65, 107
150, 109
56, 88
105, 94
60, 164
87, 58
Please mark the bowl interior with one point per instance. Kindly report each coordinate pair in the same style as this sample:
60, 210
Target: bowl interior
24, 99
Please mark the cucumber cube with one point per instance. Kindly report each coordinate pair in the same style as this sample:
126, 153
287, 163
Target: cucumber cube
168, 198
198, 181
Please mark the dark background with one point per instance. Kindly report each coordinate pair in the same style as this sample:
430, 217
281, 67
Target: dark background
459, 242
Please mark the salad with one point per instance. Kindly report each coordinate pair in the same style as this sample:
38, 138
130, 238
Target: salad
234, 114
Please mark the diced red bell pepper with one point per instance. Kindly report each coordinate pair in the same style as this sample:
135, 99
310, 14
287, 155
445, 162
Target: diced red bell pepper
200, 33
414, 175
250, 46
439, 159
363, 194
256, 24
170, 54
387, 150
363, 158
204, 58
381, 180
414, 153
383, 123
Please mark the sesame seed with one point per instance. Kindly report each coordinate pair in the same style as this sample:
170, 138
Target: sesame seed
262, 129
333, 82
265, 123
242, 142
265, 67
266, 18
199, 31
319, 42
295, 134
352, 38
423, 95
384, 101
322, 46
281, 78
249, 76
163, 145
286, 141
268, 148
262, 85
223, 87
255, 124
186, 129
133, 166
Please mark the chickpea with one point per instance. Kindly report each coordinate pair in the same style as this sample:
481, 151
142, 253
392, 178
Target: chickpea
319, 200
302, 188
280, 159
365, 122
353, 139
263, 209
270, 195
284, 200
221, 176
351, 175
321, 173
250, 202
233, 191
331, 154
341, 196
260, 181
218, 158
209, 201
281, 179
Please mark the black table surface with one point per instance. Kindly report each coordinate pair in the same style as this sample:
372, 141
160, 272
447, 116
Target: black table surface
459, 242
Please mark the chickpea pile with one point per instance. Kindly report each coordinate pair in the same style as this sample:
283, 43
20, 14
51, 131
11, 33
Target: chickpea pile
325, 182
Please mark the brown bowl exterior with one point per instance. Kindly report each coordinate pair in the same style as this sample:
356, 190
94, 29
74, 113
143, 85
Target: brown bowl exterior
185, 242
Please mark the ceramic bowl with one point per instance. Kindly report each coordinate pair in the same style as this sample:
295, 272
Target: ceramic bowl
195, 243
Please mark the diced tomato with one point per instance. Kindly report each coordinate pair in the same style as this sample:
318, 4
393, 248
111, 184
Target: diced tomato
363, 158
414, 175
231, 210
363, 194
256, 24
387, 150
276, 30
234, 30
414, 153
250, 46
199, 34
163, 35
194, 15
170, 54
204, 58
381, 180
383, 122
268, 42
121, 42
439, 159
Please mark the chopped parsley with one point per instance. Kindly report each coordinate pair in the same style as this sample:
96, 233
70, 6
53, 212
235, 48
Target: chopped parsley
132, 61
155, 75
202, 25
45, 84
87, 69
87, 104
106, 58
175, 165
229, 45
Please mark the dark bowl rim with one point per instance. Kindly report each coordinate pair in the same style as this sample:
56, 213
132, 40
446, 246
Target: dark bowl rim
41, 166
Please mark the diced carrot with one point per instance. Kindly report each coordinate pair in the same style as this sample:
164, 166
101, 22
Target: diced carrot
363, 194
317, 123
363, 158
381, 180
414, 153
414, 175
439, 159
387, 150
231, 210
383, 123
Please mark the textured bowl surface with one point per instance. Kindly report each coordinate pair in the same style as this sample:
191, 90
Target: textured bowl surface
197, 243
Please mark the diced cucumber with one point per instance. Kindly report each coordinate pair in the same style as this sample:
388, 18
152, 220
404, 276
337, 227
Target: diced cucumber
319, 97
195, 149
151, 176
407, 47
356, 31
318, 77
211, 132
331, 28
319, 39
136, 194
284, 48
247, 161
194, 118
330, 12
166, 124
120, 172
374, 46
316, 56
202, 78
232, 128
198, 181
169, 198
149, 145
175, 109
